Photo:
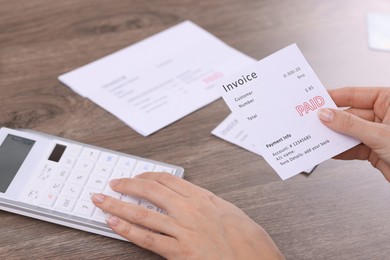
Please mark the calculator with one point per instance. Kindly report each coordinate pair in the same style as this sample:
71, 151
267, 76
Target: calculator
52, 178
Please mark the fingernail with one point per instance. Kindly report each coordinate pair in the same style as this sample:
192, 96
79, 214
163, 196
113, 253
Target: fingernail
325, 114
112, 221
98, 198
114, 182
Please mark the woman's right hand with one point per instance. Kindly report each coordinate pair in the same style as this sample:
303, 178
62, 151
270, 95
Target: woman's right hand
367, 119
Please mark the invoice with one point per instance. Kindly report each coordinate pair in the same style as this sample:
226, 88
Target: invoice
159, 80
280, 112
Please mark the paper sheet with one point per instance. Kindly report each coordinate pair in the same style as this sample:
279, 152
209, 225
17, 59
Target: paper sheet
278, 99
232, 131
378, 27
159, 80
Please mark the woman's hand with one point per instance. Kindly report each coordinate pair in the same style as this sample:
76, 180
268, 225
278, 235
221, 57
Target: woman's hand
367, 119
197, 223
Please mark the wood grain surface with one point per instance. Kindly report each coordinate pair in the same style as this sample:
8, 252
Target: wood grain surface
341, 211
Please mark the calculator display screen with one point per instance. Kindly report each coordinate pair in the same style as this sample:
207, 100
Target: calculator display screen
13, 152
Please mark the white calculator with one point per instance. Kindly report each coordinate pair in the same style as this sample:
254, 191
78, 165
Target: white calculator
52, 178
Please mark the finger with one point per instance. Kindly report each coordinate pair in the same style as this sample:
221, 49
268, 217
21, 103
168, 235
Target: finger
370, 133
157, 243
359, 152
386, 118
174, 183
366, 114
357, 97
384, 168
151, 191
136, 214
179, 208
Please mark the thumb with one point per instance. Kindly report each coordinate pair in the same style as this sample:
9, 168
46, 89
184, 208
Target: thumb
349, 124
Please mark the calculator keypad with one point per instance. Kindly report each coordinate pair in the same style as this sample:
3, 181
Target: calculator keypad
66, 186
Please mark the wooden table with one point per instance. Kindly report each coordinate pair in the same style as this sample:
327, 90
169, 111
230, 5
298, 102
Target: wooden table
341, 211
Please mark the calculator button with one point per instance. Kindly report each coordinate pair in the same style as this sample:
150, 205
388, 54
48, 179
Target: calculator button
143, 166
68, 161
84, 165
62, 174
121, 173
103, 169
88, 192
84, 209
99, 215
31, 195
162, 168
126, 162
56, 186
48, 199
97, 181
108, 158
66, 203
80, 178
72, 189
90, 154
110, 192
46, 171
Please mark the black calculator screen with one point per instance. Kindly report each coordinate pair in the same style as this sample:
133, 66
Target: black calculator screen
13, 152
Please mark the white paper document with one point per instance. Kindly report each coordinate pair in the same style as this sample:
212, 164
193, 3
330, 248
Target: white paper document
159, 80
378, 28
232, 131
277, 99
